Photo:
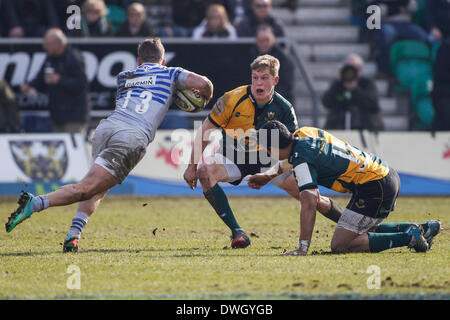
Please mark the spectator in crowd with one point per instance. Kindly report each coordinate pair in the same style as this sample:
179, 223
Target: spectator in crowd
260, 14
352, 100
437, 18
266, 44
9, 112
64, 79
186, 15
30, 18
135, 25
94, 22
236, 9
215, 24
239, 10
395, 25
441, 87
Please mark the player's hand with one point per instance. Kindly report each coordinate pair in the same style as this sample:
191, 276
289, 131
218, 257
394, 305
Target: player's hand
351, 85
296, 252
25, 88
258, 180
190, 176
52, 78
436, 33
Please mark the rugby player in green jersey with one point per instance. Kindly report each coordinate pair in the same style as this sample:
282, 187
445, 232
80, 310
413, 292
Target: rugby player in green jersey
319, 158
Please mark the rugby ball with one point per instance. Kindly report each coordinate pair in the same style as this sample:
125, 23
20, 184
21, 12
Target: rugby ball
189, 100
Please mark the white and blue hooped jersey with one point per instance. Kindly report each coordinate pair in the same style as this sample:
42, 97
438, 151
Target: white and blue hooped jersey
145, 94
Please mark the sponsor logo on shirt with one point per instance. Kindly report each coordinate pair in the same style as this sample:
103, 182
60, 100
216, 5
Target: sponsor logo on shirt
141, 81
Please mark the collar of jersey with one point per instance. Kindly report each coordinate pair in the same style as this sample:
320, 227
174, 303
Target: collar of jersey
253, 100
148, 64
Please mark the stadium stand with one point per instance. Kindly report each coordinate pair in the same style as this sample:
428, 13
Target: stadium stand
116, 15
324, 32
441, 87
324, 36
421, 104
410, 60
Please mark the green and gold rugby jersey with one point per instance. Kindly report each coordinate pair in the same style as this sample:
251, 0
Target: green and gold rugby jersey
239, 116
320, 158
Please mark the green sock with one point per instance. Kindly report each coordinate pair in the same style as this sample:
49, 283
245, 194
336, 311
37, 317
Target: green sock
219, 201
383, 241
396, 227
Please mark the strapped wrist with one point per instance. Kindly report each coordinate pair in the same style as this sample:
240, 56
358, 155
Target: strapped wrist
304, 245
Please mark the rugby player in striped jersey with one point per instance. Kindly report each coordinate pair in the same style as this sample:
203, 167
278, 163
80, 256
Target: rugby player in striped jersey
120, 142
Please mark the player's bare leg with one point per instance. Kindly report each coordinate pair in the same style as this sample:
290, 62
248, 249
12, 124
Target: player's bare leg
209, 174
91, 205
96, 181
329, 208
290, 186
85, 210
348, 241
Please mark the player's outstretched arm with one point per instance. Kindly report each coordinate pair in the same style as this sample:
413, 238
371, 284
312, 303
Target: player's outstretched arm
201, 140
200, 83
308, 199
258, 180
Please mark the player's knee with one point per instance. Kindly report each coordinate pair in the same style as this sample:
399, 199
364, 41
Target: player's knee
84, 192
204, 172
324, 204
338, 247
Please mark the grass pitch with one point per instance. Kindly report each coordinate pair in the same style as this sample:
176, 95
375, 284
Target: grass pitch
177, 248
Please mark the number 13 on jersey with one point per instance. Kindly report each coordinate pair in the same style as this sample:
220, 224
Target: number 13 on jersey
145, 98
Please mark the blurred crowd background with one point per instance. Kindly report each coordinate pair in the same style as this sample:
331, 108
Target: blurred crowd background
393, 78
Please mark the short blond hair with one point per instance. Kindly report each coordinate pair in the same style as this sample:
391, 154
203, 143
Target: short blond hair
266, 61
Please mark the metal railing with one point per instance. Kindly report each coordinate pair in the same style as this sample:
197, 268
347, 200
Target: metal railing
298, 60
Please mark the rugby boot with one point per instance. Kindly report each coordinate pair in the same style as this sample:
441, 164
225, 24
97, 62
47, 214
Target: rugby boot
417, 242
239, 239
23, 212
434, 227
70, 243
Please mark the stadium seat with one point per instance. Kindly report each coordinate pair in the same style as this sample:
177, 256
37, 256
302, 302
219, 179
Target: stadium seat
422, 106
408, 50
410, 60
424, 113
116, 15
408, 71
421, 88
